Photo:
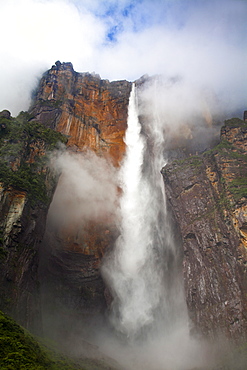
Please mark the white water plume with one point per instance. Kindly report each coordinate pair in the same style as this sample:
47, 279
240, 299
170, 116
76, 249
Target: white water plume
137, 270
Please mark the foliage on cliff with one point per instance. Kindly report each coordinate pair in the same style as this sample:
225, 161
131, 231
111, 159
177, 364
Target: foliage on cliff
20, 351
235, 122
231, 153
23, 147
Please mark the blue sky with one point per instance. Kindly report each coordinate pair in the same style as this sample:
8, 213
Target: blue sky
202, 40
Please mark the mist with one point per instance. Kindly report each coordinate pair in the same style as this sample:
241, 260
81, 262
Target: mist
86, 191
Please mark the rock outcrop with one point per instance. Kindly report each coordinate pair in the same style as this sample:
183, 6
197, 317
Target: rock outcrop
208, 195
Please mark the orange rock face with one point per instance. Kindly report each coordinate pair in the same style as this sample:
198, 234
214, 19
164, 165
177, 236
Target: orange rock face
91, 112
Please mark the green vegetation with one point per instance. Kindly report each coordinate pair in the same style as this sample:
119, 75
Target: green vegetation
194, 162
226, 150
224, 147
20, 351
238, 187
25, 178
223, 202
235, 122
50, 103
35, 130
190, 161
237, 155
19, 139
224, 144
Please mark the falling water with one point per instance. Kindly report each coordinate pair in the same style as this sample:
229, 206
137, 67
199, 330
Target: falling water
138, 271
144, 271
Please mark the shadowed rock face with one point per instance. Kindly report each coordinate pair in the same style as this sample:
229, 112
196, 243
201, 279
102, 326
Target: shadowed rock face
26, 189
23, 228
208, 196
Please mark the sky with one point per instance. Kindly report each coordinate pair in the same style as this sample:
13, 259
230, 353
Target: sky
202, 41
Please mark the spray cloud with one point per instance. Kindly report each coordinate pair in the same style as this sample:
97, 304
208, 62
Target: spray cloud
87, 189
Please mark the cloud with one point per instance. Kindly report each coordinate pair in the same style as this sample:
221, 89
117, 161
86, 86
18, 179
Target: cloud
203, 41
36, 34
207, 50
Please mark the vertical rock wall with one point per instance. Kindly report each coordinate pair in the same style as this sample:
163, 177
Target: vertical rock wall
92, 113
22, 228
208, 195
26, 189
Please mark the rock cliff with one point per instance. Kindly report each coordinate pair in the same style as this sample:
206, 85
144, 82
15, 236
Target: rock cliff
92, 114
26, 189
208, 195
90, 111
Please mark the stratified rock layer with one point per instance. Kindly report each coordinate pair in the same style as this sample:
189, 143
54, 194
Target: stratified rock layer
90, 111
208, 194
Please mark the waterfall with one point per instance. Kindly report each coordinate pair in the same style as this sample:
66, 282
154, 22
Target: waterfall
137, 270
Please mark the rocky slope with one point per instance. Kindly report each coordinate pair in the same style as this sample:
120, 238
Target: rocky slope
208, 195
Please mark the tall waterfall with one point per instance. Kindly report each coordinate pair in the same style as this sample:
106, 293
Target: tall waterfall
139, 269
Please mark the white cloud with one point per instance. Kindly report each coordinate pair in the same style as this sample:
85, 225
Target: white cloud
203, 41
36, 34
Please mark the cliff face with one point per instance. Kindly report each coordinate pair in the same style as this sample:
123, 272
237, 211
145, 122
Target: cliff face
22, 229
208, 195
90, 111
92, 114
25, 193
